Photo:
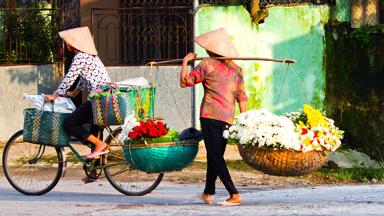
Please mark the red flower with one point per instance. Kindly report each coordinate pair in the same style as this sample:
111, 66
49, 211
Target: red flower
148, 129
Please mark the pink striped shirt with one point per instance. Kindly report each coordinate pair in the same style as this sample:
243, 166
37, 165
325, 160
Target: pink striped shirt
223, 85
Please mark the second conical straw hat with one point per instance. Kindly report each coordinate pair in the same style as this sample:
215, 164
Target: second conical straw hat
80, 38
218, 42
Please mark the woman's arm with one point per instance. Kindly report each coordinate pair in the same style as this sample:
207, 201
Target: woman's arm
73, 72
241, 96
243, 106
49, 98
73, 93
184, 68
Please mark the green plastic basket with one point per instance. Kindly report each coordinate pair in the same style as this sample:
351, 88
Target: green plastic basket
161, 157
140, 100
45, 127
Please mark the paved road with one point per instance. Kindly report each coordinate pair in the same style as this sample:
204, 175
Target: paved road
72, 197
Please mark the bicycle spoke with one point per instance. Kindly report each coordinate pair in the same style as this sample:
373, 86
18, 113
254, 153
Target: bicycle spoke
30, 168
122, 176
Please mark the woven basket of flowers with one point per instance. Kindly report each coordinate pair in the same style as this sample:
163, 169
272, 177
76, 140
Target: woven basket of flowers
294, 144
151, 147
282, 162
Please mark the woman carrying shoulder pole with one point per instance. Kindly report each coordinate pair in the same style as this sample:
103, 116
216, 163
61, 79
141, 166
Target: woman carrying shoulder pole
223, 86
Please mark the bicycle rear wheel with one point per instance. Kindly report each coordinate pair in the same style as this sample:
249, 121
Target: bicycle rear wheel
123, 177
32, 169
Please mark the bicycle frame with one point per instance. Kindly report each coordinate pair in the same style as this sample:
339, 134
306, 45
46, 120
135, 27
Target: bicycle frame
84, 161
38, 155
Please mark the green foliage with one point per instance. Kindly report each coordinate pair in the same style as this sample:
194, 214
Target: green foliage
354, 92
364, 35
225, 2
353, 174
381, 164
30, 34
239, 165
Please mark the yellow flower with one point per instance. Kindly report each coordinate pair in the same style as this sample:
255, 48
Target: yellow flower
314, 116
306, 141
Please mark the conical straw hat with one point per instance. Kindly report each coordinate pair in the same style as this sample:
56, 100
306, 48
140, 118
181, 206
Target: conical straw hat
218, 42
80, 38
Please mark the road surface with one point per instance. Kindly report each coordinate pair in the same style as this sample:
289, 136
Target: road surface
72, 197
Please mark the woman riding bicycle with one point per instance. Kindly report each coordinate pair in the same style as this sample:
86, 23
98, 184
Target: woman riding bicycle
88, 66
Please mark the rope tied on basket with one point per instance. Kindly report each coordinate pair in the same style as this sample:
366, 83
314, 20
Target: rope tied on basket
172, 61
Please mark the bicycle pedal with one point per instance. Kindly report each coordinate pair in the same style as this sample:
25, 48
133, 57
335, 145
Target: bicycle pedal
88, 180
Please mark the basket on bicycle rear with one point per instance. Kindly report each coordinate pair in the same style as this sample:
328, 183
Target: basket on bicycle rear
161, 157
45, 127
111, 104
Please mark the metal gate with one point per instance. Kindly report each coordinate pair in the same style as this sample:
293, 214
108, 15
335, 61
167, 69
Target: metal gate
143, 31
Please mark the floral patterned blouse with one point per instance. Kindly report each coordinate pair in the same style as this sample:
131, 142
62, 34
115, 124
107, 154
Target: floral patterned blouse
223, 85
90, 69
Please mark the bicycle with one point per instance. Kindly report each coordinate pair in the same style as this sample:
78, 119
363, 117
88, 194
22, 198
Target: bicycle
35, 169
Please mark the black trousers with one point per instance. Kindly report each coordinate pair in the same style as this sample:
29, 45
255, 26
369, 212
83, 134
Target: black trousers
215, 145
74, 124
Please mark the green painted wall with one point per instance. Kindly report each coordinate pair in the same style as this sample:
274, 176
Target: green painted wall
288, 32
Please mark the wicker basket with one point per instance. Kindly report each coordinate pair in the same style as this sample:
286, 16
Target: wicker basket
161, 157
282, 162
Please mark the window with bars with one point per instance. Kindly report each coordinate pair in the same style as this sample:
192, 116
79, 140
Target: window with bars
156, 34
264, 3
367, 13
156, 30
151, 30
156, 3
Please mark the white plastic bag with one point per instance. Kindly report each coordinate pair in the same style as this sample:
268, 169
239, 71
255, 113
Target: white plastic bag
137, 81
61, 104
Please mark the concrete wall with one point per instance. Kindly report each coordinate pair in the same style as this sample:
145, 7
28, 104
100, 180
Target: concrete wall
16, 80
172, 102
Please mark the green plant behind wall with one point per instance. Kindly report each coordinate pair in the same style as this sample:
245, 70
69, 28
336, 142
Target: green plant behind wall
30, 36
355, 92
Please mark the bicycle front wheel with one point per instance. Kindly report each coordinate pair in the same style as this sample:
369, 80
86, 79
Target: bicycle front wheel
124, 178
32, 169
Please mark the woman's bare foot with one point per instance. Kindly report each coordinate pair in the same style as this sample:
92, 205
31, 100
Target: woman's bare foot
206, 198
234, 199
100, 149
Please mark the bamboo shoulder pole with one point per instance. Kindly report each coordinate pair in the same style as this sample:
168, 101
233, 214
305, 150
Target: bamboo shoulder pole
289, 61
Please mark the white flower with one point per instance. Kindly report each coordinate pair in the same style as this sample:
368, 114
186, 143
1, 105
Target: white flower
129, 123
226, 134
262, 128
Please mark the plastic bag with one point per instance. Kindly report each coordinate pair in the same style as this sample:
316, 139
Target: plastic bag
61, 104
190, 134
138, 81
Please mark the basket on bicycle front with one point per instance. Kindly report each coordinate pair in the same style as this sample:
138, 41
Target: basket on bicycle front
161, 157
45, 127
111, 103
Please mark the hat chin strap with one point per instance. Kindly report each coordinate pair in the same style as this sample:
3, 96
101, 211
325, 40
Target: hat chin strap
71, 49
